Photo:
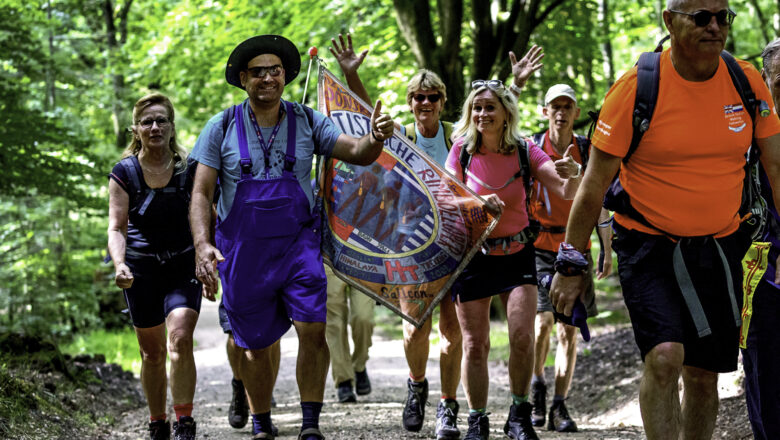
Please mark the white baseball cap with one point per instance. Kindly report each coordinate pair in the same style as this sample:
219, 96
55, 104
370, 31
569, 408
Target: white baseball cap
557, 91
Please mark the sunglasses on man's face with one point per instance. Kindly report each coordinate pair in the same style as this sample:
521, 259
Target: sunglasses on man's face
493, 84
262, 71
702, 18
431, 98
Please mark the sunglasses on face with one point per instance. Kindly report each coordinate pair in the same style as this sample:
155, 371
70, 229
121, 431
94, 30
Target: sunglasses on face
262, 71
147, 123
702, 18
493, 84
431, 98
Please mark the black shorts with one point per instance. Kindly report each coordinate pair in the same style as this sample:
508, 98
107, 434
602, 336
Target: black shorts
223, 318
655, 303
159, 288
545, 261
488, 275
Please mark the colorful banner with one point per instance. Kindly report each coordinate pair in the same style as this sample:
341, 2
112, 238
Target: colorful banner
401, 229
754, 266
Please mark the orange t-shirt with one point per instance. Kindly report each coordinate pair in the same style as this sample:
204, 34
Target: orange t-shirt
686, 175
550, 210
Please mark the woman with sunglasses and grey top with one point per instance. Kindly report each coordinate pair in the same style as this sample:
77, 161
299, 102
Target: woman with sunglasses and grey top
426, 95
150, 243
488, 130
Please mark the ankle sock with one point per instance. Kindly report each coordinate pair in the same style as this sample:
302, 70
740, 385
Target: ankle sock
183, 410
311, 415
158, 417
558, 398
517, 400
536, 379
261, 423
477, 411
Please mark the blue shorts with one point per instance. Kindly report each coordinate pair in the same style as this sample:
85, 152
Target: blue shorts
159, 288
488, 275
655, 303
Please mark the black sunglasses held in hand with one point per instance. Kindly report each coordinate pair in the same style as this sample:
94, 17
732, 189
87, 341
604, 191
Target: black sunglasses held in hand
489, 83
702, 18
431, 98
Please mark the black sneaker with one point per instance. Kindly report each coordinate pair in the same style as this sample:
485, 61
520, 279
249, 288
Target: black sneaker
238, 414
447, 419
160, 430
414, 409
345, 393
559, 418
539, 399
518, 424
479, 427
362, 383
184, 429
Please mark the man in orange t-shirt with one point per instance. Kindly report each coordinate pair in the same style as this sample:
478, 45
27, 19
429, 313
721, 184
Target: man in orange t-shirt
552, 212
685, 178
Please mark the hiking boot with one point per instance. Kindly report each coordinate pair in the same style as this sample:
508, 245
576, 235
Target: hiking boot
238, 414
539, 399
479, 427
345, 393
559, 418
447, 419
414, 409
184, 429
160, 430
518, 424
362, 384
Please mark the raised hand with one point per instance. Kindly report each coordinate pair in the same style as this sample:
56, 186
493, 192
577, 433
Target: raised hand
567, 167
349, 62
530, 63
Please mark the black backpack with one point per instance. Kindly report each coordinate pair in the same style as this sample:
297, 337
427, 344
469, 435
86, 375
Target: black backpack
142, 197
753, 205
583, 144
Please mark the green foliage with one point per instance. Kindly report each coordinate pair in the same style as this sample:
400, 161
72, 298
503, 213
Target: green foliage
119, 346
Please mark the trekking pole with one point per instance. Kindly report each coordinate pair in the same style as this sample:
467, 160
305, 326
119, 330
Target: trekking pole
312, 54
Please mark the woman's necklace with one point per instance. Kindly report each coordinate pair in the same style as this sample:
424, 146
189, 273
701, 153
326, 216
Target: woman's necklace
167, 167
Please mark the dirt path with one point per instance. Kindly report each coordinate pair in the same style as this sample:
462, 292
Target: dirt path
603, 400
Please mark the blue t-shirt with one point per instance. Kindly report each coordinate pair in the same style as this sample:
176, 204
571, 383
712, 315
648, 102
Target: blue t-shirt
223, 155
435, 147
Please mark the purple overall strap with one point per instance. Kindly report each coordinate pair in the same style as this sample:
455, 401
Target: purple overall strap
243, 146
289, 157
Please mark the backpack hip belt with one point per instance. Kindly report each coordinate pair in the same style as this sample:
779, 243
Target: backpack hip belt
525, 236
553, 229
162, 257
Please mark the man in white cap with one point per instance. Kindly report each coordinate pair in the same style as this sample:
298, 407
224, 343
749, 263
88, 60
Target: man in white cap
552, 212
267, 235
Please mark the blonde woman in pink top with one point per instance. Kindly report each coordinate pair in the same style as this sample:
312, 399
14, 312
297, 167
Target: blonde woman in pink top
488, 131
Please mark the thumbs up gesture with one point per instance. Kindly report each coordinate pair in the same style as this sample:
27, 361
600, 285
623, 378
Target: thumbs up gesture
381, 124
567, 167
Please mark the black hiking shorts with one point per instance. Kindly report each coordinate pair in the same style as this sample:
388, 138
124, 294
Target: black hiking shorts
488, 275
655, 303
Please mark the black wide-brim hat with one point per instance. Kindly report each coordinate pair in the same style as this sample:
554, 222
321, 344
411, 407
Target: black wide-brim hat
259, 45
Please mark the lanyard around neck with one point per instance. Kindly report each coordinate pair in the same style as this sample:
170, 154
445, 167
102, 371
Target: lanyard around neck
266, 147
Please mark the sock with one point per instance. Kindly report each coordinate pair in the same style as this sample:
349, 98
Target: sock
158, 417
477, 411
517, 400
261, 423
536, 379
449, 402
311, 414
558, 398
417, 380
182, 410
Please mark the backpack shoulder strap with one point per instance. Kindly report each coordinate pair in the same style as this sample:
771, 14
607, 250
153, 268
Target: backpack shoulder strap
227, 116
742, 85
647, 79
309, 112
525, 164
447, 134
465, 159
411, 133
583, 143
538, 139
133, 171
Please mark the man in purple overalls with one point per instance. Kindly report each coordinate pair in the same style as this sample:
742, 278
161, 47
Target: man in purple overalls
267, 238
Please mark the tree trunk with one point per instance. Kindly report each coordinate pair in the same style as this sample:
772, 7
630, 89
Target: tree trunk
606, 46
762, 22
115, 67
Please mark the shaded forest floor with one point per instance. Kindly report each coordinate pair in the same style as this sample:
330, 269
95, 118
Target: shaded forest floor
100, 401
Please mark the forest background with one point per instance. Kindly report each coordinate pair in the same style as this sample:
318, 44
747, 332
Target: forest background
70, 71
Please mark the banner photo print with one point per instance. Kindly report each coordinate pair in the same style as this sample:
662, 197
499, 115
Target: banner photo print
401, 229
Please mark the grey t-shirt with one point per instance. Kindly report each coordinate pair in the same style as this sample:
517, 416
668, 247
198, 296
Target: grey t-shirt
223, 155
